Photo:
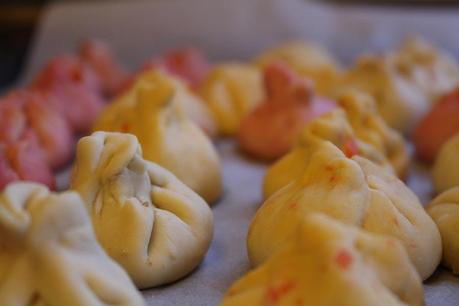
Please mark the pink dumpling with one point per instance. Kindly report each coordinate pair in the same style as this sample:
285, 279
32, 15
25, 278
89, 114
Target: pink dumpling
75, 88
271, 129
111, 74
27, 112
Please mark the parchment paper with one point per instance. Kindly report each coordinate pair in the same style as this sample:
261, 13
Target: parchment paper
230, 30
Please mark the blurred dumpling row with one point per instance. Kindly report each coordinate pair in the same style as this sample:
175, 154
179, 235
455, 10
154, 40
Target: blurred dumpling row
337, 222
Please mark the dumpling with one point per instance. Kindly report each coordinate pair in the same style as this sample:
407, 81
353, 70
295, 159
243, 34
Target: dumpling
333, 127
404, 82
49, 254
147, 220
368, 125
24, 112
190, 103
434, 70
24, 159
99, 57
437, 127
231, 91
151, 110
189, 64
308, 60
354, 191
73, 88
445, 172
272, 128
444, 210
399, 99
327, 263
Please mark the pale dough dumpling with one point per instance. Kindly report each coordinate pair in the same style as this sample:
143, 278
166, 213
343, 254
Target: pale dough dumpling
231, 91
370, 127
444, 210
399, 99
333, 127
445, 172
327, 263
355, 191
151, 111
434, 70
147, 220
308, 60
49, 254
404, 82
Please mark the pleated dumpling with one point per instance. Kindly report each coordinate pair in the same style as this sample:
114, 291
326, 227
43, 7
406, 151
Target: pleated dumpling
400, 101
151, 111
404, 82
49, 254
370, 127
327, 263
445, 172
147, 220
434, 70
354, 191
308, 60
334, 127
232, 90
271, 129
444, 210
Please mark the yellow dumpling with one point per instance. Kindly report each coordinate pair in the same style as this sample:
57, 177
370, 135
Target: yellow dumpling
308, 60
368, 125
332, 126
399, 100
405, 82
434, 70
444, 210
151, 111
327, 263
355, 191
232, 90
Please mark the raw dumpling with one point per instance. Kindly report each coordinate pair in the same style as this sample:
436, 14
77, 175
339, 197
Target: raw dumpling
400, 101
272, 128
49, 254
333, 127
434, 70
327, 263
189, 64
191, 104
25, 160
354, 191
152, 111
445, 172
308, 60
112, 76
75, 89
147, 220
444, 210
404, 82
24, 112
231, 91
369, 126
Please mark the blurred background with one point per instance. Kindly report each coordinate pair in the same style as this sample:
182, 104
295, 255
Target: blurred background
17, 23
19, 18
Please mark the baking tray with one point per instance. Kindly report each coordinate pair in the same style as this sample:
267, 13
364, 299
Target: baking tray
231, 30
